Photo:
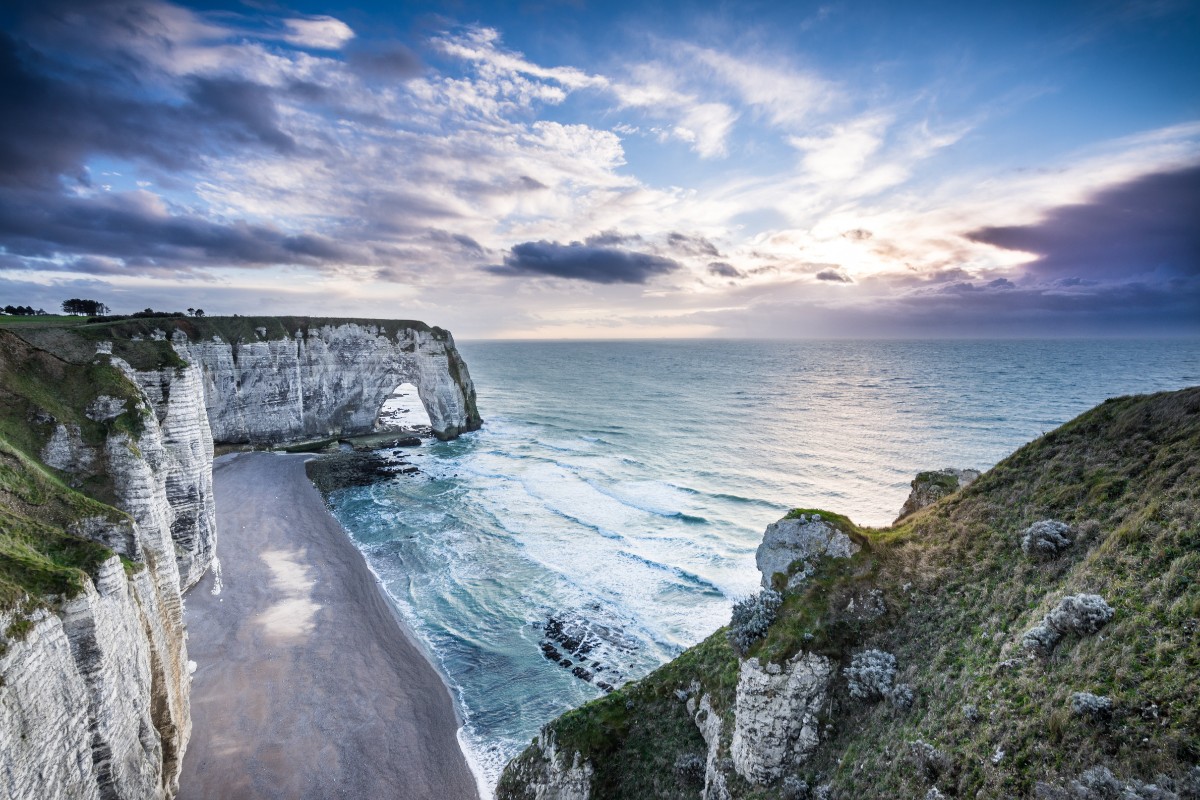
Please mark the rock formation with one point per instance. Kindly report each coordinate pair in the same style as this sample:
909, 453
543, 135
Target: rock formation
792, 546
328, 379
94, 684
929, 487
776, 715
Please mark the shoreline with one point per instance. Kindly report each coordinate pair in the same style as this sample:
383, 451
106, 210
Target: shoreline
309, 682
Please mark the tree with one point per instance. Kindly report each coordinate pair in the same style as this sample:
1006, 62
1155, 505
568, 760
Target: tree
199, 312
90, 308
192, 311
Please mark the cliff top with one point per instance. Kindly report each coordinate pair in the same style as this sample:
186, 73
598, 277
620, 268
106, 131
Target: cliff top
951, 593
75, 338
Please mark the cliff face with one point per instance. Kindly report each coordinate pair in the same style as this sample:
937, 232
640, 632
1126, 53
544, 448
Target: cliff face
1035, 634
107, 516
93, 678
327, 379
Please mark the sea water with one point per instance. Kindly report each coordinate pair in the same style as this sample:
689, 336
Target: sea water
606, 516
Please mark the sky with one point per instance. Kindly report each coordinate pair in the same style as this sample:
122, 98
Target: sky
559, 169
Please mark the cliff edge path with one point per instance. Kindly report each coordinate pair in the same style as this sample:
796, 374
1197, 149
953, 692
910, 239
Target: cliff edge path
306, 686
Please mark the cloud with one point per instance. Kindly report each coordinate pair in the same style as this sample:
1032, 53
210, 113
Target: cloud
724, 270
390, 61
137, 226
692, 245
835, 275
318, 33
579, 261
1148, 225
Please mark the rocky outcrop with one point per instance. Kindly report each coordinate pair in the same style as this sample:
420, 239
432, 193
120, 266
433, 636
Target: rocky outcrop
929, 487
793, 545
776, 716
547, 774
710, 725
326, 380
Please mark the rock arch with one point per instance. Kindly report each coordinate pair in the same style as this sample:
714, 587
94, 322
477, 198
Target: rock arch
328, 379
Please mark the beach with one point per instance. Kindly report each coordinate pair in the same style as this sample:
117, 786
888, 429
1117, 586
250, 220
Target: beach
307, 684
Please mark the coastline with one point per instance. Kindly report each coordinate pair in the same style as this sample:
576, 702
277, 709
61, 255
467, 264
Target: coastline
308, 680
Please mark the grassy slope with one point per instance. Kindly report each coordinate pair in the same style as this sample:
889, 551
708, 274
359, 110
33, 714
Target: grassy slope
959, 594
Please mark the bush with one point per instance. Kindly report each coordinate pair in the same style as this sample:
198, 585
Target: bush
1046, 539
870, 675
751, 618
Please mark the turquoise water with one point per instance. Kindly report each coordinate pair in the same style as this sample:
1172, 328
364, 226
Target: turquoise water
614, 498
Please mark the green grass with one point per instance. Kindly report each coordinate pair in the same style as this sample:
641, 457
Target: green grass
38, 557
959, 593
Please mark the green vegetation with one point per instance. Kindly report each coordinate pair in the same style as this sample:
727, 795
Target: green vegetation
38, 557
957, 593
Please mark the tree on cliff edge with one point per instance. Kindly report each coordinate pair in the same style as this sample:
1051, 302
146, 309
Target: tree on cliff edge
90, 308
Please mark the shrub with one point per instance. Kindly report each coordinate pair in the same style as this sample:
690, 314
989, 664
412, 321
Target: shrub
751, 618
1046, 539
870, 675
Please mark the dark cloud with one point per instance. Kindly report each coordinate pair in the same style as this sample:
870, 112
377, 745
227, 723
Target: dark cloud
835, 275
459, 241
580, 261
692, 245
57, 116
135, 226
611, 239
245, 109
858, 234
724, 270
1148, 225
390, 61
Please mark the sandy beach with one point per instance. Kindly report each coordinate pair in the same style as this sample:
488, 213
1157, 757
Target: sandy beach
307, 686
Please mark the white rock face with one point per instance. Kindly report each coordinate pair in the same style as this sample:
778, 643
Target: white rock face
776, 715
94, 700
177, 398
329, 382
555, 777
804, 539
710, 725
75, 721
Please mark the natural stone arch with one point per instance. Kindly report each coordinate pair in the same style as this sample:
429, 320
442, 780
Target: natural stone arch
403, 409
329, 380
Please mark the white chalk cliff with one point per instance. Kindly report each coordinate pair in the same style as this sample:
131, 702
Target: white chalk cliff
94, 693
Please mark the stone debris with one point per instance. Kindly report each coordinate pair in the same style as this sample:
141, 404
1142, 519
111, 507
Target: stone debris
1099, 783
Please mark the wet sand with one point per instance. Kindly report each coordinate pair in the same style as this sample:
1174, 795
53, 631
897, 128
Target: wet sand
307, 685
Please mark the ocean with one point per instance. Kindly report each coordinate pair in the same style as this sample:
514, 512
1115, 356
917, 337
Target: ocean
606, 516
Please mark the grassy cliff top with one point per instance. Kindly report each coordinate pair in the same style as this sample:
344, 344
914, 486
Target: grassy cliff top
959, 593
75, 338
